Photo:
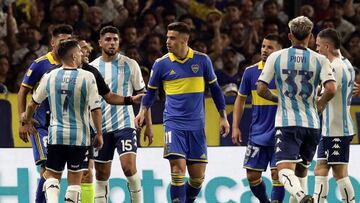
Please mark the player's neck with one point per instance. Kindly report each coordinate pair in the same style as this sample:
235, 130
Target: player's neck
56, 58
334, 55
182, 53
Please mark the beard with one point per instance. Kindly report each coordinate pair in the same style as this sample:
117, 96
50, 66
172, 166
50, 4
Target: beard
110, 52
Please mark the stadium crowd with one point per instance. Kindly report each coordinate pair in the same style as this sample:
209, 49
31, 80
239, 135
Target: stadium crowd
230, 32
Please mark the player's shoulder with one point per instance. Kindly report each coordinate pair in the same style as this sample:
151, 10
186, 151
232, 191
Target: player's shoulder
95, 62
162, 59
131, 62
41, 59
200, 54
252, 67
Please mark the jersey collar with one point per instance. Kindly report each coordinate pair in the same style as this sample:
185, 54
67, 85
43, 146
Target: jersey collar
189, 55
50, 57
261, 65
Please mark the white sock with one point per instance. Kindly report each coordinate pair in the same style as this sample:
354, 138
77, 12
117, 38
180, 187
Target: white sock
291, 183
303, 183
101, 191
135, 188
73, 193
321, 189
292, 199
346, 190
52, 190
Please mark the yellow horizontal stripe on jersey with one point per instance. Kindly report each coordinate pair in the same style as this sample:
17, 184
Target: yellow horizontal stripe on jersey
152, 87
242, 95
184, 85
257, 100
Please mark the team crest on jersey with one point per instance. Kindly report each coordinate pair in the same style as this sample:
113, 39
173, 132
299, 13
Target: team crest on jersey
195, 68
29, 73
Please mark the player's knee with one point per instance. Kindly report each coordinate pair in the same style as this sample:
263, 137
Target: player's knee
339, 173
253, 176
177, 179
128, 169
196, 182
301, 170
87, 176
102, 174
321, 169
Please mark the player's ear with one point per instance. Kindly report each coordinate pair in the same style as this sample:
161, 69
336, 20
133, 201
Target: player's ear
289, 36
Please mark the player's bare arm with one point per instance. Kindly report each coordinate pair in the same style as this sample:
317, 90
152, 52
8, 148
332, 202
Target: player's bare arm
22, 94
329, 93
264, 92
96, 116
237, 115
149, 133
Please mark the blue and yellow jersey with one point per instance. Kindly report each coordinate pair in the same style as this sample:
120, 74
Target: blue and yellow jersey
32, 77
184, 84
262, 131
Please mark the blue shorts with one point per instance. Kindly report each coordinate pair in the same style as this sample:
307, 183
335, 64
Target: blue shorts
39, 142
296, 144
189, 145
123, 140
334, 150
258, 157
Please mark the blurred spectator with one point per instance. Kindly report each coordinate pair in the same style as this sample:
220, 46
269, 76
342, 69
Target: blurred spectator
58, 13
322, 10
198, 10
95, 19
272, 11
133, 53
145, 74
33, 38
353, 47
344, 27
4, 69
4, 49
232, 14
133, 8
75, 13
229, 74
129, 36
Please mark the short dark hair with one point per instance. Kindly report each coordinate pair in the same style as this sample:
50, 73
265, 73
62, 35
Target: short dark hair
269, 2
109, 29
274, 37
180, 27
332, 35
65, 46
62, 29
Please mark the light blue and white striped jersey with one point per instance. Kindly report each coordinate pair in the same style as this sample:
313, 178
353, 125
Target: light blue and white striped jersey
71, 92
123, 76
336, 116
298, 72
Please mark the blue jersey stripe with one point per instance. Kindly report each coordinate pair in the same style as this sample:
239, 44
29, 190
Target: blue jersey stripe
306, 66
294, 104
125, 92
352, 79
344, 84
102, 103
71, 110
316, 83
82, 110
281, 86
114, 88
59, 112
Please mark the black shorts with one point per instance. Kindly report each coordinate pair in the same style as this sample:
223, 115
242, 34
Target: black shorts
296, 144
59, 155
89, 155
334, 150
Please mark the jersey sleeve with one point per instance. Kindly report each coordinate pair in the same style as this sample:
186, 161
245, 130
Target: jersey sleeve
327, 71
268, 72
245, 85
155, 76
136, 77
209, 73
41, 92
33, 75
93, 93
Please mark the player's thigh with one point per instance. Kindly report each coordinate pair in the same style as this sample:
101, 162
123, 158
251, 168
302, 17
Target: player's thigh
287, 146
311, 138
175, 146
75, 156
39, 143
106, 153
126, 141
56, 158
196, 145
257, 157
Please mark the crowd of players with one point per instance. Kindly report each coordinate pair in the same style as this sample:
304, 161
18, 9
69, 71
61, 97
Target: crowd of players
285, 129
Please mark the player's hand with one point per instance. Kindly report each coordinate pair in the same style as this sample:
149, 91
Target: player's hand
98, 141
137, 98
236, 135
149, 134
356, 90
139, 120
224, 127
320, 106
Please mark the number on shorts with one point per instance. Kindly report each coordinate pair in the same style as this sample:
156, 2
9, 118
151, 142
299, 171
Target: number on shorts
251, 151
168, 137
126, 145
